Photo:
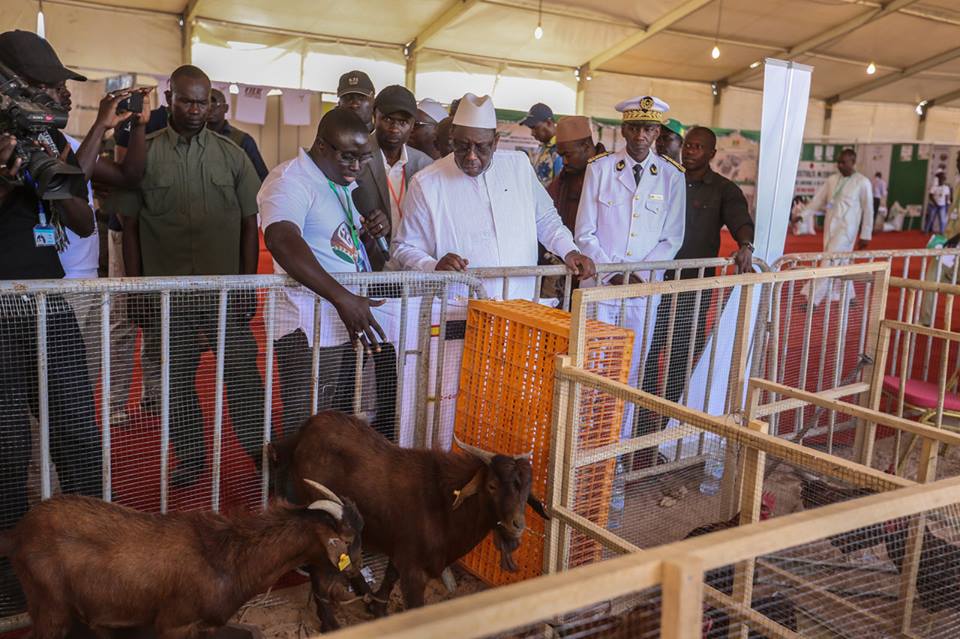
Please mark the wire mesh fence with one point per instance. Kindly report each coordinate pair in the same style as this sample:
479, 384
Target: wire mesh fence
786, 577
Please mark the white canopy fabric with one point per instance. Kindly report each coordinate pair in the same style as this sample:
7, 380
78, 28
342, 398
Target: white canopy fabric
625, 47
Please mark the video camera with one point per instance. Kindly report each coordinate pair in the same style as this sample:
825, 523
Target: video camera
27, 113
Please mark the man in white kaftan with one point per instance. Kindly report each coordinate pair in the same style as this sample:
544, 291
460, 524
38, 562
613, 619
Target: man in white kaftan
847, 198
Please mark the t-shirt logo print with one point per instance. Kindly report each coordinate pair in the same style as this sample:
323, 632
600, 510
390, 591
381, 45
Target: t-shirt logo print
341, 243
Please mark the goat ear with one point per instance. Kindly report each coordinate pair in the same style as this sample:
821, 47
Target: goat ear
338, 553
469, 490
537, 506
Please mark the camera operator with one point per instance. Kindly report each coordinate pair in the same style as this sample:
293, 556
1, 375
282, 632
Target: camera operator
29, 227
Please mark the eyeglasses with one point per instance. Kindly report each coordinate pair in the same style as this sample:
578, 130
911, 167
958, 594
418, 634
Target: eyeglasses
349, 159
481, 149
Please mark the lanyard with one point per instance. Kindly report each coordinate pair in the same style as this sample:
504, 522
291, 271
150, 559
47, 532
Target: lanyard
403, 189
348, 217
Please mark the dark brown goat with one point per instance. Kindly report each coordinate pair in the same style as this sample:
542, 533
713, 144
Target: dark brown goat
85, 561
424, 509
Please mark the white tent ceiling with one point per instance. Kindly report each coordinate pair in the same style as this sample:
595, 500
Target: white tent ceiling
914, 43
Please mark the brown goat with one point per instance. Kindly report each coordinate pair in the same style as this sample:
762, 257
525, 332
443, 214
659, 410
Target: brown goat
424, 509
85, 561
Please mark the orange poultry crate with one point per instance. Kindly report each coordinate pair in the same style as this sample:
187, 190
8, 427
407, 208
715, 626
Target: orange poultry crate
505, 404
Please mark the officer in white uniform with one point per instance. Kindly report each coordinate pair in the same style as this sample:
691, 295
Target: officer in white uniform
632, 209
633, 203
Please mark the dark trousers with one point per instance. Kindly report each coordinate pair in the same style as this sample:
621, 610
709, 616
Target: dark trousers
74, 435
193, 330
676, 365
338, 368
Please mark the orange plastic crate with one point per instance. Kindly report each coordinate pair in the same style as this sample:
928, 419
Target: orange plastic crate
505, 404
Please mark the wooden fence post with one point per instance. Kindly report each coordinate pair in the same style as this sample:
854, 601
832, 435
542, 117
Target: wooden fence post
681, 615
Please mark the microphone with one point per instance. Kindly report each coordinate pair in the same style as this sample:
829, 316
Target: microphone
366, 204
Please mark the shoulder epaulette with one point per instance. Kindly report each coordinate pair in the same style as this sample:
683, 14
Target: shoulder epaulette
156, 133
597, 157
675, 163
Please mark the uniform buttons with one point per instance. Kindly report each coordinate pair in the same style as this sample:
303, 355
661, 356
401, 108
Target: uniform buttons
633, 235
636, 197
629, 252
636, 215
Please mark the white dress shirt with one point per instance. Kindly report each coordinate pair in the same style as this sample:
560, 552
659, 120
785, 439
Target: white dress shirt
397, 185
492, 220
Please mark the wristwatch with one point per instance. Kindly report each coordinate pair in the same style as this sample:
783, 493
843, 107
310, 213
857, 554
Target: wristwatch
749, 245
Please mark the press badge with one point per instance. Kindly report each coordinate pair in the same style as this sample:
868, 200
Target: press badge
44, 236
656, 196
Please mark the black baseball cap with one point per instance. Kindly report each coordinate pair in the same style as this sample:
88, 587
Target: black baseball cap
355, 82
395, 98
538, 113
30, 55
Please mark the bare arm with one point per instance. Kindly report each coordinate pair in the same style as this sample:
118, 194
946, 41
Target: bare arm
77, 216
131, 246
288, 247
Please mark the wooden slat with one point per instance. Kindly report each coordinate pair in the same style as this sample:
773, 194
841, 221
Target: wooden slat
600, 535
936, 333
783, 405
681, 612
738, 613
605, 293
855, 410
814, 460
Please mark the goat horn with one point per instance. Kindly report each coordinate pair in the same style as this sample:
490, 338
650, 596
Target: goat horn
333, 509
483, 455
323, 490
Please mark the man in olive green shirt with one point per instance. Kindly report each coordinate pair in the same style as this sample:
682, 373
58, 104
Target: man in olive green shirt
195, 213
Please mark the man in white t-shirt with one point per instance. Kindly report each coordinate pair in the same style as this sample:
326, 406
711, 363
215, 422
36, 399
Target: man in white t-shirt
312, 229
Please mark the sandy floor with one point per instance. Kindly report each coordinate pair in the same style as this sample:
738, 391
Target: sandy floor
287, 613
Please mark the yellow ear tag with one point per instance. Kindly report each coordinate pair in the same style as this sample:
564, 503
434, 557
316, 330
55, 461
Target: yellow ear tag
344, 562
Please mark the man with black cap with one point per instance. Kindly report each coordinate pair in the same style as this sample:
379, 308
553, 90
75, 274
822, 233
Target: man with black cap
547, 163
31, 229
355, 92
386, 177
217, 121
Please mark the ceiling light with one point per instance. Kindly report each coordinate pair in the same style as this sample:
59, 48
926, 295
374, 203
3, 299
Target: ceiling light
538, 32
589, 77
755, 65
234, 89
715, 53
41, 27
871, 68
921, 107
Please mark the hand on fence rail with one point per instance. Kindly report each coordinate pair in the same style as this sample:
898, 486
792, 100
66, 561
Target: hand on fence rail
452, 262
355, 313
580, 265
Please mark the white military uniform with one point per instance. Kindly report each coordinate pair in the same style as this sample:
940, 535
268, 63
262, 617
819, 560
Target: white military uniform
621, 219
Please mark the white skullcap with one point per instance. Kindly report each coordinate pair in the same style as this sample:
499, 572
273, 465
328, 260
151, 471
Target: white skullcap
432, 108
476, 112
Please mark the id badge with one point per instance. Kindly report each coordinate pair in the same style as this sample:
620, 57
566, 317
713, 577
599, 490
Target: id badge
44, 236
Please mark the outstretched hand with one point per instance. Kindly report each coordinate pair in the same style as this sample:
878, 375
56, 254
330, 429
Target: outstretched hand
356, 315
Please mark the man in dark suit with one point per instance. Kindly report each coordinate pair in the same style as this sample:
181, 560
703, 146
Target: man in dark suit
394, 162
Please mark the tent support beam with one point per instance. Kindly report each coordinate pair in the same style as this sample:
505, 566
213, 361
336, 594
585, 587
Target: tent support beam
410, 71
717, 101
827, 120
456, 9
581, 106
829, 35
941, 100
672, 17
890, 78
922, 125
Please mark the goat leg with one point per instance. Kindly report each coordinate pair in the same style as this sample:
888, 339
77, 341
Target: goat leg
328, 621
378, 607
413, 582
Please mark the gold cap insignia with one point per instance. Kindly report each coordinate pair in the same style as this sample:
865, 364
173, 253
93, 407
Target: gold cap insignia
653, 169
646, 103
620, 165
